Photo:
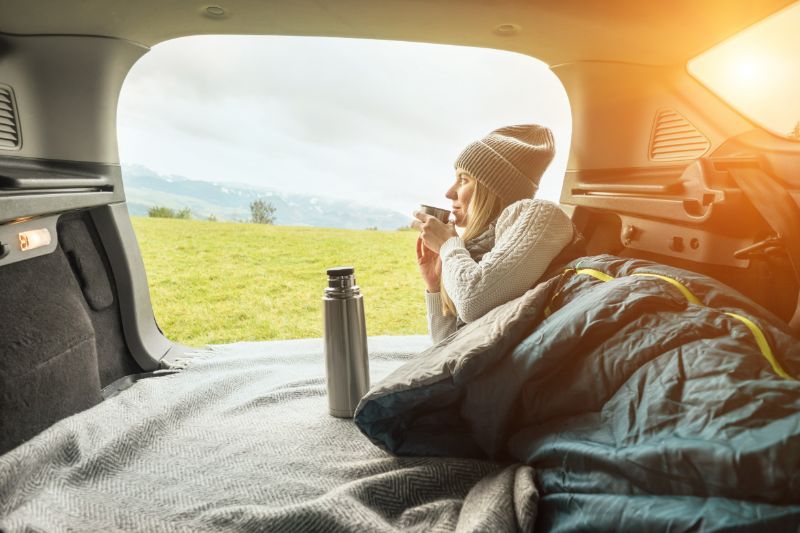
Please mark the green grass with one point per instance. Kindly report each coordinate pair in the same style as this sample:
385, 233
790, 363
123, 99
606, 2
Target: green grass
217, 282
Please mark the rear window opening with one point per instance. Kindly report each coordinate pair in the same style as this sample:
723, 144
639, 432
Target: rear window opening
252, 164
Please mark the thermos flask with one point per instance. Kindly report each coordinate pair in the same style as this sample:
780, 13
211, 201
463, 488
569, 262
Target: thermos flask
346, 357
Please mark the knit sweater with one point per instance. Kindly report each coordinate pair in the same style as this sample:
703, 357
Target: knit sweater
529, 234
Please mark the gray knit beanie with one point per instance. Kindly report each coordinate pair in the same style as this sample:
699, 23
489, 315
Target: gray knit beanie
510, 161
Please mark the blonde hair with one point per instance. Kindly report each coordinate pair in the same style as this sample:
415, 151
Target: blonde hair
483, 209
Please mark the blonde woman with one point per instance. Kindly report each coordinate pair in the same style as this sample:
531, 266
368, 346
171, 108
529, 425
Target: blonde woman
509, 238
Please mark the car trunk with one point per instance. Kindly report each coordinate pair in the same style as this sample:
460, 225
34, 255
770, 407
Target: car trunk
78, 318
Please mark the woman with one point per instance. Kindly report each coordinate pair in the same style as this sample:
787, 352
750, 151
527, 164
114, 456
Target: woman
509, 238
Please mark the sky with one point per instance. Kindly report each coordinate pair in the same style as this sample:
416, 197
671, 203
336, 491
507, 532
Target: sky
378, 122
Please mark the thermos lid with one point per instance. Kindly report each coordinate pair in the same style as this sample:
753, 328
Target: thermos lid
341, 271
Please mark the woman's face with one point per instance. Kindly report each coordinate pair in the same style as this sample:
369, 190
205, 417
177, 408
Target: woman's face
461, 193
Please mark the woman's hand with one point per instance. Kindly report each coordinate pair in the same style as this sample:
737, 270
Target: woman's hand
433, 232
430, 266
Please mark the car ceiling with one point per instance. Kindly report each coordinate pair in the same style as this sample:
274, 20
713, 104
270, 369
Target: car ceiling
656, 32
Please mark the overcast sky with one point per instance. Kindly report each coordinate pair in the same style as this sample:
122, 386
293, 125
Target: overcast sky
376, 121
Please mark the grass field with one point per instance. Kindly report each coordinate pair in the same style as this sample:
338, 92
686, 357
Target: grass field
217, 282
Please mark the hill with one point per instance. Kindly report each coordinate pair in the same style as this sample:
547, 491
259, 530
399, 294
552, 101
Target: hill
145, 188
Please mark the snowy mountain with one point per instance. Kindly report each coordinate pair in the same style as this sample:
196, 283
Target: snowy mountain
145, 188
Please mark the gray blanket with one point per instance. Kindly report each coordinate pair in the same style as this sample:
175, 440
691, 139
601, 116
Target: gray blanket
241, 441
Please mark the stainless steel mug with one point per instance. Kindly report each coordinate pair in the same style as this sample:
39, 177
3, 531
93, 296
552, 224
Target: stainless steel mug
438, 212
346, 356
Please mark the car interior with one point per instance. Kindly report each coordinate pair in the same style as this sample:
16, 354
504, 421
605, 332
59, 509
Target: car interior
661, 169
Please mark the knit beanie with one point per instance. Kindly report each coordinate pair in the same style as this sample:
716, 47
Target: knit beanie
510, 161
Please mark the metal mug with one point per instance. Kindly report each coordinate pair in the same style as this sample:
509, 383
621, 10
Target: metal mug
438, 212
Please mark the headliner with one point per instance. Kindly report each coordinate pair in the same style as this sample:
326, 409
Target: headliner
656, 32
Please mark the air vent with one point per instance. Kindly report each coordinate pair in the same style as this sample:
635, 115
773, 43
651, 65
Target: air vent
675, 138
10, 138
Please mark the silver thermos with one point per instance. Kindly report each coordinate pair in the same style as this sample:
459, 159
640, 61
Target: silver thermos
346, 356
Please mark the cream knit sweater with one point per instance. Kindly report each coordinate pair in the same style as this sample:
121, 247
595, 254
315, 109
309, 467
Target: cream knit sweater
529, 234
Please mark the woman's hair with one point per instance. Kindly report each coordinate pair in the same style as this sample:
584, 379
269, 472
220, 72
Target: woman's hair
483, 209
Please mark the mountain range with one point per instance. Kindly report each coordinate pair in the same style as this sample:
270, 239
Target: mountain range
145, 188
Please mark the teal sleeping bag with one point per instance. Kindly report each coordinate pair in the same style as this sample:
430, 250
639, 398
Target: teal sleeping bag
644, 396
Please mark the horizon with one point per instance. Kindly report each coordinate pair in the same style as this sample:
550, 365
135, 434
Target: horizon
234, 184
150, 194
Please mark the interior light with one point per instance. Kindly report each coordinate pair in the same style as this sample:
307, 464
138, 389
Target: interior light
506, 30
30, 240
215, 11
